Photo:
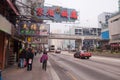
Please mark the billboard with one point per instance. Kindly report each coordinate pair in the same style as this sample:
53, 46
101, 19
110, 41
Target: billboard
105, 35
56, 13
34, 29
38, 40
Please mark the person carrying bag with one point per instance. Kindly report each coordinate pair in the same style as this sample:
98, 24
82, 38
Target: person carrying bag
43, 60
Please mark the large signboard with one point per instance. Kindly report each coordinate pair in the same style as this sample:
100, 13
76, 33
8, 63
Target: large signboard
57, 14
5, 25
43, 40
34, 29
37, 40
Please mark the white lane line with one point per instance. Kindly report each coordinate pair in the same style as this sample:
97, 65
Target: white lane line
53, 73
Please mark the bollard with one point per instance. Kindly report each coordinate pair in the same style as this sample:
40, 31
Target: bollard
0, 75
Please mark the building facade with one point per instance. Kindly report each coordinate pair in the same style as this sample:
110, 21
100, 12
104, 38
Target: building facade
103, 24
103, 19
84, 31
114, 28
9, 43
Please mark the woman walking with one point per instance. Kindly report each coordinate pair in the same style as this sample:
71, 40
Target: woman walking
44, 59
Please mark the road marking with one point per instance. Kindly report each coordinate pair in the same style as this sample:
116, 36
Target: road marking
73, 77
53, 73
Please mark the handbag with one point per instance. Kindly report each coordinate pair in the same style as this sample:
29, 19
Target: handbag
30, 61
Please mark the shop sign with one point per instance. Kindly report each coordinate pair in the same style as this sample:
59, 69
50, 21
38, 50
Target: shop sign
34, 29
57, 14
40, 40
5, 25
29, 39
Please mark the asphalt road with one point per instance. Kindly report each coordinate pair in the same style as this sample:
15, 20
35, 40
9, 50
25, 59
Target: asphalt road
96, 68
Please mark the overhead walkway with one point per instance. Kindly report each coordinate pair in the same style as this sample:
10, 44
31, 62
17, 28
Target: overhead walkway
73, 37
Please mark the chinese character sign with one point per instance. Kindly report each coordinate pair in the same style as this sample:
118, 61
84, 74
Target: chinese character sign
64, 13
50, 12
34, 29
39, 11
56, 13
73, 15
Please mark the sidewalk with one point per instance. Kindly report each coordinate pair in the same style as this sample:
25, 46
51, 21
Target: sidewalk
15, 73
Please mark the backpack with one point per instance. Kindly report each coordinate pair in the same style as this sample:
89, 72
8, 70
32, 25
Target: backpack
43, 58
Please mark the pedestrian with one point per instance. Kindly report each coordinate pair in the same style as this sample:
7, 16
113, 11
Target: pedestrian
30, 57
43, 60
22, 58
35, 51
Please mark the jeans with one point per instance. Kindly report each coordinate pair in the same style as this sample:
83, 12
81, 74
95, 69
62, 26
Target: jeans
44, 65
21, 62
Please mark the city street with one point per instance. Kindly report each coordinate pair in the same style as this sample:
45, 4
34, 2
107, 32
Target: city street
65, 67
80, 42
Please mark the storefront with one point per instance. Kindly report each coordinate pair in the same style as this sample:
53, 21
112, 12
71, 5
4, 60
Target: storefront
5, 32
9, 44
1, 49
115, 45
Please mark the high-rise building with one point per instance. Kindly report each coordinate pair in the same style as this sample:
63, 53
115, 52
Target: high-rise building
103, 19
103, 24
114, 28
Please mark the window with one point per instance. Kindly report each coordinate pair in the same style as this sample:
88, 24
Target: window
115, 20
76, 30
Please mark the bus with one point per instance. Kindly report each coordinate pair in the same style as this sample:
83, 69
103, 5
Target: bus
52, 48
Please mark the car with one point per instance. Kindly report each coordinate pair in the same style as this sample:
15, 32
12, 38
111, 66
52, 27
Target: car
82, 54
58, 50
47, 49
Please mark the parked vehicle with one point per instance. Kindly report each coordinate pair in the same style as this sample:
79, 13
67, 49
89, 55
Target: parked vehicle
82, 54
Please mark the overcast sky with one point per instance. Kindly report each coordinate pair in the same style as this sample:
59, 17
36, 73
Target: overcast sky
88, 10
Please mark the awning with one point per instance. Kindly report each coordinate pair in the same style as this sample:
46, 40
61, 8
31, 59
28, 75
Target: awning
13, 7
5, 25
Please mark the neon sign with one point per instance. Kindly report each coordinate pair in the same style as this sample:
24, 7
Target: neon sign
33, 29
